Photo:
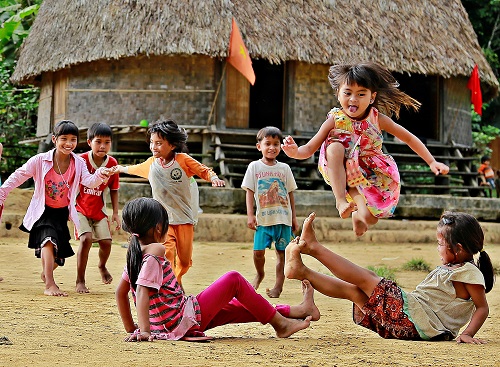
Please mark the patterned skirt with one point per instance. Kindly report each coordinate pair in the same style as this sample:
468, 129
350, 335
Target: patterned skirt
383, 313
52, 226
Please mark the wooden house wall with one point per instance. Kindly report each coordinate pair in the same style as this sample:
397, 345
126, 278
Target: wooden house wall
312, 98
456, 114
124, 92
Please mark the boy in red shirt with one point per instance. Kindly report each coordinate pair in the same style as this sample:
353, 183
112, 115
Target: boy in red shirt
91, 206
487, 174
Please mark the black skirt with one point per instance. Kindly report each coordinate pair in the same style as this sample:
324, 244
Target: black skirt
53, 226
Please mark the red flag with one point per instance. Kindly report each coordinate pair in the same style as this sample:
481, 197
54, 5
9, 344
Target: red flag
238, 54
474, 85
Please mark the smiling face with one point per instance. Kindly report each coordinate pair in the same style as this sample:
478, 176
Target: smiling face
161, 148
66, 143
355, 99
270, 147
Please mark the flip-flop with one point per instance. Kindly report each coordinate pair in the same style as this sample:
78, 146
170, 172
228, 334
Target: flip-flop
196, 338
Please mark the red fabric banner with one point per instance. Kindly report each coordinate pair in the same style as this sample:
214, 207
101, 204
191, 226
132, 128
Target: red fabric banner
238, 54
474, 85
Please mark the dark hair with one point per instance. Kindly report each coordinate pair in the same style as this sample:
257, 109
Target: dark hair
485, 158
269, 131
377, 79
99, 129
171, 132
462, 228
65, 127
139, 216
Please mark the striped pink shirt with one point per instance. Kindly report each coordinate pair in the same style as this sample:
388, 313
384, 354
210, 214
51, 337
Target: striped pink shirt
171, 312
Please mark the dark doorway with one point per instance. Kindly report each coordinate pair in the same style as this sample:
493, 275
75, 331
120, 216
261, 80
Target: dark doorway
266, 95
425, 89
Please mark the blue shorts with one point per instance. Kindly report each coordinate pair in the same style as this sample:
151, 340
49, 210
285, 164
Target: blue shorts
280, 234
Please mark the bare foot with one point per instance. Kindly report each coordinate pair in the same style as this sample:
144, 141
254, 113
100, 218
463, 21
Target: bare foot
358, 225
285, 327
274, 292
307, 304
294, 267
81, 288
345, 209
257, 280
308, 238
54, 291
105, 275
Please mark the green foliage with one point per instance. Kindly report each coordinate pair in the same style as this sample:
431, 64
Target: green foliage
417, 265
18, 107
384, 272
482, 134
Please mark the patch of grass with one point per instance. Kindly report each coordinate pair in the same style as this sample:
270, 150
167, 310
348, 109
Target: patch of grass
418, 264
384, 272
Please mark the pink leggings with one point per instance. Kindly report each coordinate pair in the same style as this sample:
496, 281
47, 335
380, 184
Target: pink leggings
232, 299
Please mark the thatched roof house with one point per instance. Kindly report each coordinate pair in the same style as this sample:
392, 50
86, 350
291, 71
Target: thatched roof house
432, 37
121, 61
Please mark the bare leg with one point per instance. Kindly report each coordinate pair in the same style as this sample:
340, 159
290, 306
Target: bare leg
355, 283
82, 260
336, 174
362, 219
307, 307
259, 260
48, 266
280, 276
104, 252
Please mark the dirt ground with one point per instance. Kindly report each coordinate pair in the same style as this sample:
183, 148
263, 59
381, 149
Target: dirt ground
85, 330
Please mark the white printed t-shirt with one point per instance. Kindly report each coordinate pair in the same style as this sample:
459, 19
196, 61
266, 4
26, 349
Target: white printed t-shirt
271, 186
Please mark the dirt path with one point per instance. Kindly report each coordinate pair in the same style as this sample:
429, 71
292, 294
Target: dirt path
85, 330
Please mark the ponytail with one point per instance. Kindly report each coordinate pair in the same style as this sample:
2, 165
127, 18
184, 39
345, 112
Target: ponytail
484, 264
134, 260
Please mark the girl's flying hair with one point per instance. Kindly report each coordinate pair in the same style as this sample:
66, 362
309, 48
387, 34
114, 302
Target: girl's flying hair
462, 228
65, 127
377, 79
139, 216
169, 130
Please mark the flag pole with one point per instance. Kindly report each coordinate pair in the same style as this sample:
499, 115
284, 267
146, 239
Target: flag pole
216, 94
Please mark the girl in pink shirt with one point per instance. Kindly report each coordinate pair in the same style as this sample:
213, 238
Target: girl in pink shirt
57, 175
165, 312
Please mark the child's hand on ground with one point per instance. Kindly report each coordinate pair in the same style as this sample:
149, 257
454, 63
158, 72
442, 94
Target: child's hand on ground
464, 338
139, 335
217, 182
439, 168
289, 146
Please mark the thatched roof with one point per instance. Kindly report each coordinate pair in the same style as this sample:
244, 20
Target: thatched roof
432, 37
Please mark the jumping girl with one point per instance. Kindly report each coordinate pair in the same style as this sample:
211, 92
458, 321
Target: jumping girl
364, 180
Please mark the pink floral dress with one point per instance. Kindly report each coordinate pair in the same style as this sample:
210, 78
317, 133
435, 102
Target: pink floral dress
362, 141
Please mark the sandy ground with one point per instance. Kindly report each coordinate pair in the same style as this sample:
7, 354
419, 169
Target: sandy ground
85, 330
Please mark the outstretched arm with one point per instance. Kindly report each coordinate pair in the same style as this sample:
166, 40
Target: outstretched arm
478, 296
123, 304
305, 151
414, 143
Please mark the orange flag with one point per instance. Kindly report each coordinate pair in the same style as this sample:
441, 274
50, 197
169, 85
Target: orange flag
474, 85
238, 54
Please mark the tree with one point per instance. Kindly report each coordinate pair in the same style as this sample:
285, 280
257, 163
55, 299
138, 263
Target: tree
18, 107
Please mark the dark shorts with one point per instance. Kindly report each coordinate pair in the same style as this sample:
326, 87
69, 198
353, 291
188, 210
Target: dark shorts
52, 226
383, 313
